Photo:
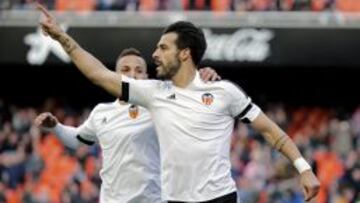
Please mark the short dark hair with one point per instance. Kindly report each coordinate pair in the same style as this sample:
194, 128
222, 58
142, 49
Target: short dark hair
130, 51
189, 36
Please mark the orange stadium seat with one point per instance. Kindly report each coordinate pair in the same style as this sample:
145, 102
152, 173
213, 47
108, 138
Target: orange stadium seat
223, 5
75, 5
148, 5
90, 166
348, 5
58, 170
13, 196
329, 169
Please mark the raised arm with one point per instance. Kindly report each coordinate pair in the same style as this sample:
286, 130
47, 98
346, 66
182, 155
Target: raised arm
90, 66
279, 140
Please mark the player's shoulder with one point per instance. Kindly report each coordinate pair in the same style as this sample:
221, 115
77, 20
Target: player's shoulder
159, 84
231, 88
226, 85
101, 107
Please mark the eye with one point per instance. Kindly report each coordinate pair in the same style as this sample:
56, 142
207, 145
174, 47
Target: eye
139, 70
125, 69
163, 47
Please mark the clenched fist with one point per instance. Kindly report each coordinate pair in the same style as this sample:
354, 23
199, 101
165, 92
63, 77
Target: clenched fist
310, 184
46, 120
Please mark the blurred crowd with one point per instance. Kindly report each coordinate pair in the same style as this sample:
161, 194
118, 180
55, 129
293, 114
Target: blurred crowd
199, 5
36, 168
328, 139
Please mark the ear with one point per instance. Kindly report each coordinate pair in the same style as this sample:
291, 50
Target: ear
185, 54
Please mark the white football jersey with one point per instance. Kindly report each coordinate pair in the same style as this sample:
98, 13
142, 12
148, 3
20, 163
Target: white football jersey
194, 127
131, 165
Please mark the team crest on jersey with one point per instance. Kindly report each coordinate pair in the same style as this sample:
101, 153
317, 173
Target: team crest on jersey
207, 98
133, 111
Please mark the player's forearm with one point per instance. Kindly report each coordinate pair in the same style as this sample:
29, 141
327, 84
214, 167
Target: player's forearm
90, 66
287, 147
67, 135
280, 141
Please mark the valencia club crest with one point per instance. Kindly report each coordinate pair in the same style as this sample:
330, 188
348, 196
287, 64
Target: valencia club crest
207, 99
133, 111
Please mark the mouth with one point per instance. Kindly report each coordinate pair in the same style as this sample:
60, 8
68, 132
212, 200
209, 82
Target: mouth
158, 63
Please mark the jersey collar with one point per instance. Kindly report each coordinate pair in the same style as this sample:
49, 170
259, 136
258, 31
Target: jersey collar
196, 81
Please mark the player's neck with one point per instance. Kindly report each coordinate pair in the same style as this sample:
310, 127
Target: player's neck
184, 76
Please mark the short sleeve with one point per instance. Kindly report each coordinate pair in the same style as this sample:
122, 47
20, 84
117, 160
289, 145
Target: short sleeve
87, 131
240, 104
139, 92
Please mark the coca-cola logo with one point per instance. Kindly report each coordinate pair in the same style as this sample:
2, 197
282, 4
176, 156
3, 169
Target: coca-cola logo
243, 45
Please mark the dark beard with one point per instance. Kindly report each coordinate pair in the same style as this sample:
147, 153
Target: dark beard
173, 70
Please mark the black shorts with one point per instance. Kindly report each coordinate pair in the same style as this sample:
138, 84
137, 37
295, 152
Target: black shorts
229, 198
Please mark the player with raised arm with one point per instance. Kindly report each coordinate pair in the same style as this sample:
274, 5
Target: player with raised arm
194, 120
130, 171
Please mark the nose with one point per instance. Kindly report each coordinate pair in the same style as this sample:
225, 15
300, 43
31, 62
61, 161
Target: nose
132, 74
155, 55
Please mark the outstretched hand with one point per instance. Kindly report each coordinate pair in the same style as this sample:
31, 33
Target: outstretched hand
46, 120
48, 24
52, 29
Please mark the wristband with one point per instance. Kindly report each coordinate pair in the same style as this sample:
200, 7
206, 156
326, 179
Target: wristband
301, 165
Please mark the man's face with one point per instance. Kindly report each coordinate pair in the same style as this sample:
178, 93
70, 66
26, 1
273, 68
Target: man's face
166, 56
132, 66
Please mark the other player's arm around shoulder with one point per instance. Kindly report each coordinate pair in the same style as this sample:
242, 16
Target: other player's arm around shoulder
280, 141
90, 66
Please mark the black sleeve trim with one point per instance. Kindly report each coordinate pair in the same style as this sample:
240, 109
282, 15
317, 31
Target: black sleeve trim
245, 120
245, 111
124, 92
88, 142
